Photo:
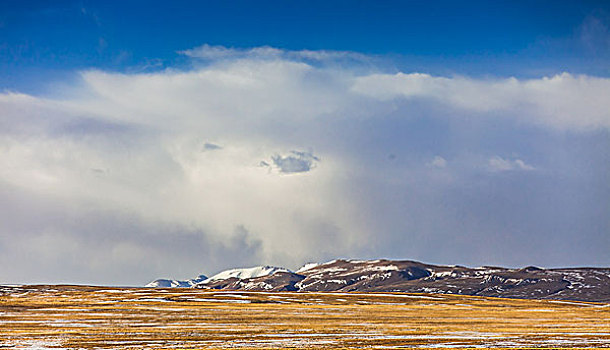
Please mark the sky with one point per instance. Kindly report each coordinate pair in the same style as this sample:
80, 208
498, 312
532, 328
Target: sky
141, 140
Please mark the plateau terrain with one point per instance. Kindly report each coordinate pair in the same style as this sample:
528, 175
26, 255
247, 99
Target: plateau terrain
85, 317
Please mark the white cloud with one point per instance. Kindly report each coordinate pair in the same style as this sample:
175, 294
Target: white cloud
147, 133
183, 150
438, 162
219, 52
497, 163
562, 101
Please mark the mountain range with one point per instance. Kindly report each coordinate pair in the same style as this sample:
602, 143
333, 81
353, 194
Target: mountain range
582, 284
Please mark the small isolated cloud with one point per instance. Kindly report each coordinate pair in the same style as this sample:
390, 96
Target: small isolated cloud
594, 35
497, 163
219, 52
296, 162
437, 162
210, 147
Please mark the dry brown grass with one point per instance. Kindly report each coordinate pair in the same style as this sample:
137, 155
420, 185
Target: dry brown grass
114, 318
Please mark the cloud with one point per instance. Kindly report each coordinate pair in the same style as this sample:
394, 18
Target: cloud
497, 163
296, 162
210, 147
562, 101
219, 52
68, 245
438, 162
118, 165
594, 35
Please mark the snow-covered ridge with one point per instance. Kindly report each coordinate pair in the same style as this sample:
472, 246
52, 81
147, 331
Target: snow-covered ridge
241, 273
167, 283
244, 273
307, 267
345, 275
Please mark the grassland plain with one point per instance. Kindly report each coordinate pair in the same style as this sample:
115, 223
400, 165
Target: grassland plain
78, 317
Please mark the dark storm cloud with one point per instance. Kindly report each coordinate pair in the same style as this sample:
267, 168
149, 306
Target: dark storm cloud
551, 210
51, 243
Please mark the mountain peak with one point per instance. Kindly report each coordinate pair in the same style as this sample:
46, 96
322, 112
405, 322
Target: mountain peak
345, 275
247, 272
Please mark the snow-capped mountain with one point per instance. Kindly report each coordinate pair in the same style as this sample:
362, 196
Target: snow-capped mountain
244, 273
307, 266
165, 283
587, 284
232, 274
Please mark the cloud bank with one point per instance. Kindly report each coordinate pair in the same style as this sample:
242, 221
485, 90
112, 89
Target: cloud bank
119, 171
562, 101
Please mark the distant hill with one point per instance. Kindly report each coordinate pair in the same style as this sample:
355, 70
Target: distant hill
165, 283
585, 284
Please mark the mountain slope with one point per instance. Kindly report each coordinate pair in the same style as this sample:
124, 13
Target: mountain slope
586, 284
244, 273
166, 283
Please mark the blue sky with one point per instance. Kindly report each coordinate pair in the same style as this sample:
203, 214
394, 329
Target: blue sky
143, 139
51, 39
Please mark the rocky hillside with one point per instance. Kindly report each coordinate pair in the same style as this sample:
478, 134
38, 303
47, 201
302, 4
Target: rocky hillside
585, 284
